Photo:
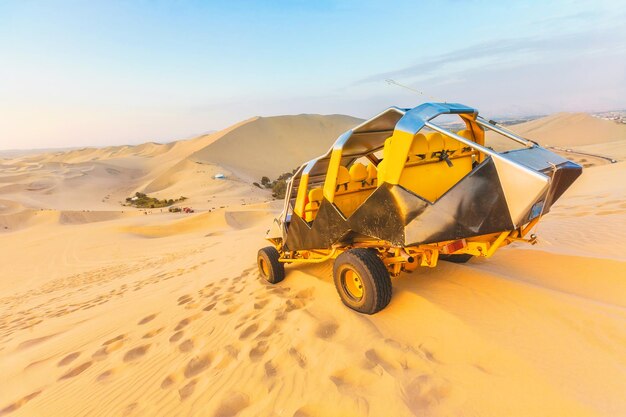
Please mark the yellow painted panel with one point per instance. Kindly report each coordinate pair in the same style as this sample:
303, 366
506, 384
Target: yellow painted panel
331, 175
395, 154
301, 196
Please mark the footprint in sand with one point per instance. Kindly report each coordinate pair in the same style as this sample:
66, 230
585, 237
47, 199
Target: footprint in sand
168, 381
185, 299
326, 330
260, 304
299, 357
280, 315
68, 359
209, 307
19, 403
429, 354
306, 294
232, 351
106, 375
186, 346
185, 322
106, 349
136, 353
270, 369
115, 339
426, 391
248, 331
176, 336
77, 370
33, 342
186, 391
147, 319
229, 310
269, 331
153, 333
197, 365
295, 304
257, 352
232, 405
384, 358
128, 410
280, 291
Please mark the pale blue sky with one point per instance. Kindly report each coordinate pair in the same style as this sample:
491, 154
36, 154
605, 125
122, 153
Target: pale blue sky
81, 73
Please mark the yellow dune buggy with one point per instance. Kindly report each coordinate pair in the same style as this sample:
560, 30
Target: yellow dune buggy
401, 190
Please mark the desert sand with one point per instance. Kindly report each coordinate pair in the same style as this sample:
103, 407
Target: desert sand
108, 311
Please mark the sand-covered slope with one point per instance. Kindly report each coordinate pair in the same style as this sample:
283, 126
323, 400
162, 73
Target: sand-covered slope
107, 311
102, 178
164, 315
569, 134
571, 129
270, 146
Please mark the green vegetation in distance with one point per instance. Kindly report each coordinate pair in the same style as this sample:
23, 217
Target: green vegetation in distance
141, 200
279, 185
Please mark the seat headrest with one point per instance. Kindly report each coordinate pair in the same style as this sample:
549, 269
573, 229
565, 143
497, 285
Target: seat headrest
316, 194
450, 144
465, 133
343, 176
419, 146
372, 172
358, 172
435, 142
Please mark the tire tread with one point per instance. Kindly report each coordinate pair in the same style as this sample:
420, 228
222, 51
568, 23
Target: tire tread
376, 268
271, 255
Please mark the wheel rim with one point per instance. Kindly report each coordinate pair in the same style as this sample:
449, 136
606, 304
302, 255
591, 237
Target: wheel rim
264, 267
352, 284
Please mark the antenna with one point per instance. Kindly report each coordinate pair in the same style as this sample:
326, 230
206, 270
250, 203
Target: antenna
394, 82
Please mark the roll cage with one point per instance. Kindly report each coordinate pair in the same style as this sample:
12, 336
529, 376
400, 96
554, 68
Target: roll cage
368, 139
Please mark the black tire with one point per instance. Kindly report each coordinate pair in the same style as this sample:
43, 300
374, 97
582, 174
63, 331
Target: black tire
372, 278
457, 259
270, 268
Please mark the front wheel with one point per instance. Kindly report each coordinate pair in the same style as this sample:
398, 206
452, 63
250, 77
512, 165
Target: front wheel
270, 268
362, 280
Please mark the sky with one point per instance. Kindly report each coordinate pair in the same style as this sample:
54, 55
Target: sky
96, 73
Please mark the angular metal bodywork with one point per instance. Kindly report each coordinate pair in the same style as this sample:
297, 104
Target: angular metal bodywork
502, 193
476, 206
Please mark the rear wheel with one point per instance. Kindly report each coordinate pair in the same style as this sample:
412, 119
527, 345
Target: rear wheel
270, 268
457, 259
362, 280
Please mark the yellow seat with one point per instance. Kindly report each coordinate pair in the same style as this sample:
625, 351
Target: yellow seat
372, 174
426, 171
435, 145
419, 149
451, 146
358, 175
343, 179
467, 134
316, 195
357, 191
426, 179
315, 199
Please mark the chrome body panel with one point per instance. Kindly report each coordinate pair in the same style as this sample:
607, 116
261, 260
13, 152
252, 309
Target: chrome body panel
502, 193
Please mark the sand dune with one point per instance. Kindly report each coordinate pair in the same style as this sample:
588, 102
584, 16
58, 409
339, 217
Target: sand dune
579, 131
108, 313
571, 129
270, 146
182, 325
65, 180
